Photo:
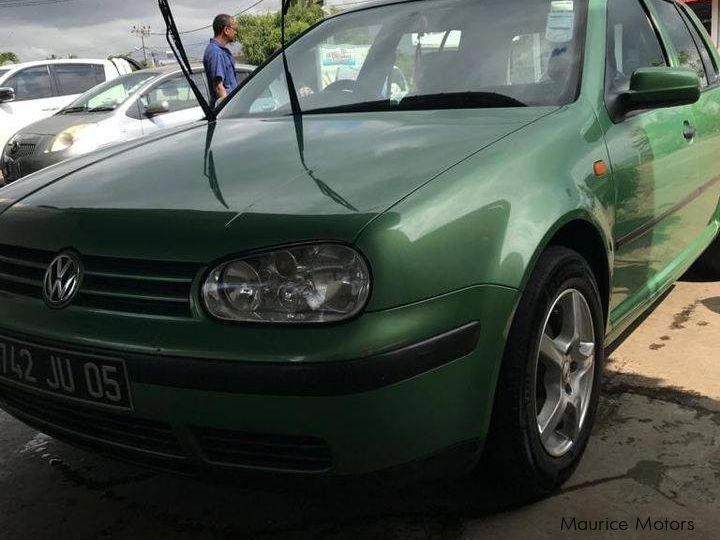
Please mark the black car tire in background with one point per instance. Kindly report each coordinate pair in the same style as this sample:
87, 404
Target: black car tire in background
515, 455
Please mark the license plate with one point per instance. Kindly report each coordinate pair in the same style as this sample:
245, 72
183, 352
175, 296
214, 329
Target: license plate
93, 379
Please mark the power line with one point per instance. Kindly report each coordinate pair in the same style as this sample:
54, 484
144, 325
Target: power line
210, 25
141, 32
29, 3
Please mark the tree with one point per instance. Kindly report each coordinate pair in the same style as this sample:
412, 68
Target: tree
260, 34
10, 57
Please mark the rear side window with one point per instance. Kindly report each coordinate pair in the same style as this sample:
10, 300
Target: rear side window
707, 57
682, 41
632, 43
78, 78
31, 83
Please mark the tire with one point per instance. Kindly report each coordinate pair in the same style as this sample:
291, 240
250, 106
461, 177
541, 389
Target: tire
709, 261
517, 458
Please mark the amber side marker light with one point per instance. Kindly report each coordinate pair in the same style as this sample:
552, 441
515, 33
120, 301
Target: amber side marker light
600, 168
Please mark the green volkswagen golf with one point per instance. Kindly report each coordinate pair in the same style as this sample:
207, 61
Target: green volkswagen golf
422, 268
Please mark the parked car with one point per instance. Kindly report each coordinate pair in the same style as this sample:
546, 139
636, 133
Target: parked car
370, 283
122, 109
34, 90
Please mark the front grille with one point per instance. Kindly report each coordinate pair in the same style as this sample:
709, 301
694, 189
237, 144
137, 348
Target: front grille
100, 426
23, 150
116, 285
281, 452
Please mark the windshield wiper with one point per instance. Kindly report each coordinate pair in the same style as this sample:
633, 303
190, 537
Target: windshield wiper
458, 100
173, 38
363, 106
82, 108
102, 108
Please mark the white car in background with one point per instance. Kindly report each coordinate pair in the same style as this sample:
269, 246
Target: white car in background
34, 90
125, 108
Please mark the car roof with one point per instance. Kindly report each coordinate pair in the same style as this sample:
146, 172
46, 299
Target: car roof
172, 68
167, 71
55, 61
370, 4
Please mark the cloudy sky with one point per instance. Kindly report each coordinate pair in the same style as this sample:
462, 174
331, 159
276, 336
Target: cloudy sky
35, 29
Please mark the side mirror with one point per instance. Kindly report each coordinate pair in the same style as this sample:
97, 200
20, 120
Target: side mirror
656, 87
157, 109
7, 94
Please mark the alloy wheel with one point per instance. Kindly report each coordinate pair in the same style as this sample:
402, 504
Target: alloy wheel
564, 372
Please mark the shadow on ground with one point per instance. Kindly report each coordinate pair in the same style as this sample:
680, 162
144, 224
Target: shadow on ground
143, 500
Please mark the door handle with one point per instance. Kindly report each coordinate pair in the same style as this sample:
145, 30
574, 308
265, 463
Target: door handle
689, 131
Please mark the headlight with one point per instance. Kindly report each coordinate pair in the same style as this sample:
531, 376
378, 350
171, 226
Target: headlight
311, 284
79, 137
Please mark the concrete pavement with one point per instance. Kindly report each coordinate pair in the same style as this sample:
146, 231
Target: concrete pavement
653, 463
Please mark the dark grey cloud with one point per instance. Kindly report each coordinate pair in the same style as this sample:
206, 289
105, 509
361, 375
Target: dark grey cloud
92, 28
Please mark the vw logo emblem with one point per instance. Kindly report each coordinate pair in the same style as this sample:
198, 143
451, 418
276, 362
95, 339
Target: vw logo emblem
62, 280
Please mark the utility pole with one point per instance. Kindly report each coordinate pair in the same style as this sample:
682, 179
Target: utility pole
141, 31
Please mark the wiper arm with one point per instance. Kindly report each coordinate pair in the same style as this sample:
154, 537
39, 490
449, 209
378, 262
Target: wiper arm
102, 108
298, 121
363, 106
294, 101
74, 109
173, 38
458, 100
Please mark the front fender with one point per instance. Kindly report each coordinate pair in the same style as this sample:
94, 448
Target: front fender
487, 219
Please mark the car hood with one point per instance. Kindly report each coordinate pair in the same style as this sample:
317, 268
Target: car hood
212, 189
57, 123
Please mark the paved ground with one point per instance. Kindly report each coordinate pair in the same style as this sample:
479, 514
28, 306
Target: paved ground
655, 455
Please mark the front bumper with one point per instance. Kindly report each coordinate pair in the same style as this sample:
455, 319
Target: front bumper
422, 383
28, 156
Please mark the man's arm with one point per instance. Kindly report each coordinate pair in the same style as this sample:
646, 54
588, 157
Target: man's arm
220, 91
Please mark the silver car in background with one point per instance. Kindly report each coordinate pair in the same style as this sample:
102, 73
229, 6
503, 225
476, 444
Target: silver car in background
125, 108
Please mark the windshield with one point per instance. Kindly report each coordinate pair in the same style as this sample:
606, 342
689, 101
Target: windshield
111, 94
428, 54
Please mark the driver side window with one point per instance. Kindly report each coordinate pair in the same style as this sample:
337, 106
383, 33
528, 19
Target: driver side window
632, 43
176, 92
31, 83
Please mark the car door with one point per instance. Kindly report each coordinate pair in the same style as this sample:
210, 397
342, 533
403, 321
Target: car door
74, 79
653, 160
707, 119
34, 100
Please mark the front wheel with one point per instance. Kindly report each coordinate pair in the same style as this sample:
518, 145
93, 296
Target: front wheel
549, 383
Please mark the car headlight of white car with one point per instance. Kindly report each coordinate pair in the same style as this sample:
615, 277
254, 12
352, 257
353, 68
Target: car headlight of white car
81, 138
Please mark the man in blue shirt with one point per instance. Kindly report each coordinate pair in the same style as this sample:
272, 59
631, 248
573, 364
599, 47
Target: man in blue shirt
218, 60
